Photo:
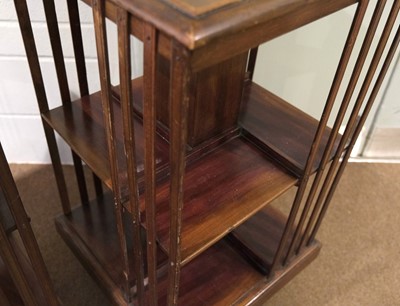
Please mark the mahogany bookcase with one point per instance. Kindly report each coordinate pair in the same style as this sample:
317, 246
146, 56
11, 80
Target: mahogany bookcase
187, 158
24, 279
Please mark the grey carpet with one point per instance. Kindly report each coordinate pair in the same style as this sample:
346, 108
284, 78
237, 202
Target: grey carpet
359, 263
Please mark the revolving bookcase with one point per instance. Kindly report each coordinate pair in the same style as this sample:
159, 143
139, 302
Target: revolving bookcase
24, 279
188, 157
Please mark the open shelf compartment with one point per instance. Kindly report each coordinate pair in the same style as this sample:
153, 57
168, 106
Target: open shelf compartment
280, 129
221, 191
90, 231
223, 188
82, 126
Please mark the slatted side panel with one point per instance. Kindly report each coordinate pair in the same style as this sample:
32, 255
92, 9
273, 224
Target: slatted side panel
76, 34
58, 56
278, 259
357, 118
108, 114
7, 185
37, 78
123, 21
179, 102
149, 122
338, 122
310, 207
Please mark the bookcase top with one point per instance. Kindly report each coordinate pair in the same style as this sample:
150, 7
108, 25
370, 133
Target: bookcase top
195, 23
196, 8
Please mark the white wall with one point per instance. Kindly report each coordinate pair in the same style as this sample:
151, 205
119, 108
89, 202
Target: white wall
21, 131
299, 67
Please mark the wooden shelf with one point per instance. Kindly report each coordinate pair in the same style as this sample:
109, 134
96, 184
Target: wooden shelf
82, 127
222, 190
91, 232
201, 279
258, 238
222, 263
280, 129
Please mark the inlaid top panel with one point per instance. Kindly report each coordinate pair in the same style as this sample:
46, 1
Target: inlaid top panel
242, 23
196, 8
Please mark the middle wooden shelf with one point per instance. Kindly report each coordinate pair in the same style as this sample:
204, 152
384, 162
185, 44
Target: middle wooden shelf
223, 187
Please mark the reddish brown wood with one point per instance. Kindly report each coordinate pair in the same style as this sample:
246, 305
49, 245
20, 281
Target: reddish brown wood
196, 8
232, 20
178, 113
39, 276
82, 127
58, 56
327, 185
150, 123
265, 289
251, 63
222, 190
173, 144
262, 117
215, 97
7, 253
330, 148
201, 279
258, 238
91, 232
107, 105
34, 66
76, 33
129, 145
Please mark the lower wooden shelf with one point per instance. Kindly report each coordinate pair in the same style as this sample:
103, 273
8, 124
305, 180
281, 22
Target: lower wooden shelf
90, 232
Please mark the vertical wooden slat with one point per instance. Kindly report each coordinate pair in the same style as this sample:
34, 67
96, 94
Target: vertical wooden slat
58, 56
149, 122
321, 128
129, 145
102, 54
13, 199
33, 61
338, 121
357, 132
6, 250
17, 274
77, 42
179, 102
251, 65
353, 117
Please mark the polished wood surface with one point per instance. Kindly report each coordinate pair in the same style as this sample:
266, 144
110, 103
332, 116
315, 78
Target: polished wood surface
196, 8
194, 151
92, 235
19, 250
222, 190
216, 95
289, 143
234, 19
82, 127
